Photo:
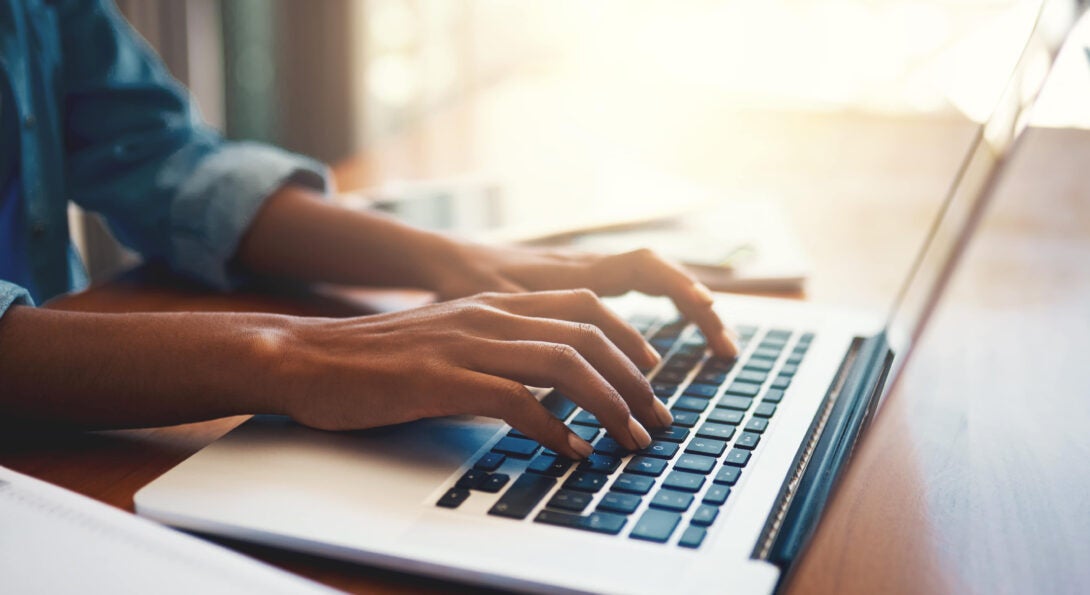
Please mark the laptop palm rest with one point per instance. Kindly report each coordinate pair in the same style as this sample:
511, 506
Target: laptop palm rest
270, 465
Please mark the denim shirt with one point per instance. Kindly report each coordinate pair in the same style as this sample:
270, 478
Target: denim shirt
102, 123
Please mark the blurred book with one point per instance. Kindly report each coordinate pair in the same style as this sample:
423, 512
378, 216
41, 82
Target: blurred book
740, 245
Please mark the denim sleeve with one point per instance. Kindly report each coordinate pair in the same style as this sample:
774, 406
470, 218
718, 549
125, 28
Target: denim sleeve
12, 295
138, 153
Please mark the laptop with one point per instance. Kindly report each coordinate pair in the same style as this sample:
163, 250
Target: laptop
725, 499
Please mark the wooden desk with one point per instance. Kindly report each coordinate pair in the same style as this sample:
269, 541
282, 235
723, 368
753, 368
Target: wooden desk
972, 479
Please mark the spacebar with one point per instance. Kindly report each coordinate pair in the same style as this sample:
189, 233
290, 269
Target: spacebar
523, 496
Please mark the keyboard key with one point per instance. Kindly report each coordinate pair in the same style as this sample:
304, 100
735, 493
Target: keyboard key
765, 353
795, 358
780, 334
691, 404
551, 465
781, 382
726, 416
789, 370
609, 447
765, 410
684, 482
761, 365
559, 405
664, 389
745, 389
600, 463
773, 343
748, 440
714, 430
494, 482
705, 515
728, 475
734, 402
717, 494
471, 479
715, 377
715, 364
674, 376
619, 503
570, 500
706, 446
671, 434
662, 345
774, 395
685, 419
671, 500
586, 418
633, 484
655, 525
806, 339
585, 432
695, 463
646, 466
453, 498
680, 362
661, 449
599, 522
754, 376
756, 424
490, 461
692, 537
522, 496
603, 522
520, 448
586, 481
704, 391
737, 457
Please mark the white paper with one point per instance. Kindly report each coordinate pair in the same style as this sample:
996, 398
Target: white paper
55, 541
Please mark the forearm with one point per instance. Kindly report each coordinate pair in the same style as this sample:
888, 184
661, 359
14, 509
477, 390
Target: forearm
83, 370
299, 236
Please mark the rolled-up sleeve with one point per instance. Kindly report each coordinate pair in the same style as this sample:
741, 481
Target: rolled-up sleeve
215, 205
138, 153
13, 295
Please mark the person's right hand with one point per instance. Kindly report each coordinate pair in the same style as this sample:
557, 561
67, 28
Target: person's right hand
472, 356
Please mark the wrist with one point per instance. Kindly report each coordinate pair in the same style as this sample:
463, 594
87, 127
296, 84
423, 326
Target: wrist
269, 372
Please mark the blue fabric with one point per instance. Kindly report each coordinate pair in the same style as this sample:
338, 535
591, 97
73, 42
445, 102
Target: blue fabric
14, 267
102, 123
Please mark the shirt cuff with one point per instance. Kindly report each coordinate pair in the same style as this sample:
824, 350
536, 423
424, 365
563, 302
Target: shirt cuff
218, 202
13, 295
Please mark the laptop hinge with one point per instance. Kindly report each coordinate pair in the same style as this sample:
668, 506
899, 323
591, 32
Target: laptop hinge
851, 400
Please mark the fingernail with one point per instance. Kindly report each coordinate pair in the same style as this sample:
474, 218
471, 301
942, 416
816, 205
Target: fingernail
665, 417
703, 293
731, 343
580, 446
639, 434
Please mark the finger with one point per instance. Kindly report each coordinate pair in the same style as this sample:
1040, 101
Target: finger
645, 271
462, 287
601, 353
513, 403
582, 305
561, 366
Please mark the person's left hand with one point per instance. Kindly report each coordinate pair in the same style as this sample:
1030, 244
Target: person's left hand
478, 268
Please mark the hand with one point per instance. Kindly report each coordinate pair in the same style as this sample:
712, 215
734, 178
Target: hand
476, 268
474, 356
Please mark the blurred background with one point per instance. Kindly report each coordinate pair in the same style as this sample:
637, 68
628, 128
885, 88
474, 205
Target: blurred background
584, 112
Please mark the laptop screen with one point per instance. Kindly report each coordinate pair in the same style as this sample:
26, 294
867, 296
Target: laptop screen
1047, 26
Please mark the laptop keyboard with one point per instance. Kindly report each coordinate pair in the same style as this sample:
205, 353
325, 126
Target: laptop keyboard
678, 484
